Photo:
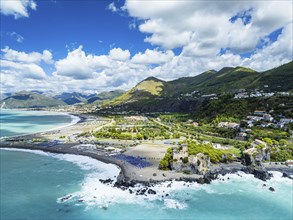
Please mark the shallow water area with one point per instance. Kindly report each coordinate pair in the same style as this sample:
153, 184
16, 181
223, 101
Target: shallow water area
16, 122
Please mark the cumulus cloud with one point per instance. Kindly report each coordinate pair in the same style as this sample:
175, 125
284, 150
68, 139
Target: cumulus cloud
20, 70
119, 54
23, 70
33, 57
17, 8
152, 57
79, 65
197, 25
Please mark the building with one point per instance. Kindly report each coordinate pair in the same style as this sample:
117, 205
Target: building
286, 120
259, 112
179, 155
268, 117
228, 125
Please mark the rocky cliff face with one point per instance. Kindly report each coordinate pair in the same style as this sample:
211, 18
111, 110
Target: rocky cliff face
197, 164
201, 162
253, 162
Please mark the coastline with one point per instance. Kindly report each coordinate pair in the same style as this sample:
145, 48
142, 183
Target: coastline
126, 177
129, 174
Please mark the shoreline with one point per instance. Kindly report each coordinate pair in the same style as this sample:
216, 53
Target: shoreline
125, 179
129, 174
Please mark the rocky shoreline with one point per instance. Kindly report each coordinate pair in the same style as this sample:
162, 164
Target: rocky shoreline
130, 175
125, 181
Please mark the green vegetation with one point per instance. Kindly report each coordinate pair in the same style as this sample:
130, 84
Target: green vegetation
262, 133
165, 162
281, 150
146, 89
216, 155
127, 128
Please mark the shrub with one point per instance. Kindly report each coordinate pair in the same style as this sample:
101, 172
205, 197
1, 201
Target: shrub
165, 162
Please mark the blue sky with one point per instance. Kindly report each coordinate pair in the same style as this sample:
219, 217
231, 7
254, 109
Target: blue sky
92, 46
57, 25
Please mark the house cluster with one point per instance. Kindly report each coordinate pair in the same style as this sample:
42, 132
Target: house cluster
243, 94
190, 94
180, 154
259, 116
230, 125
266, 120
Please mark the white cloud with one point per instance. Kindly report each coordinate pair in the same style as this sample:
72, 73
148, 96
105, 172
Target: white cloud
112, 7
33, 57
152, 57
78, 65
200, 25
22, 70
16, 36
119, 54
17, 8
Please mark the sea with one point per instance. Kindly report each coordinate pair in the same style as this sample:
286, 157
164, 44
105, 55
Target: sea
41, 185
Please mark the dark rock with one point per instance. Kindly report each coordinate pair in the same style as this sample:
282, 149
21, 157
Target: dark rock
150, 191
271, 189
287, 175
261, 174
154, 174
130, 191
141, 191
64, 198
106, 181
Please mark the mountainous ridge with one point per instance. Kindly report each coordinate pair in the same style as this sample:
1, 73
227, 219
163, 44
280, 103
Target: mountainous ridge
25, 99
226, 80
153, 93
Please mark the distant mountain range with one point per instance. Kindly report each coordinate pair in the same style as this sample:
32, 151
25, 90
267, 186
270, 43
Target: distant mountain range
153, 94
25, 99
38, 99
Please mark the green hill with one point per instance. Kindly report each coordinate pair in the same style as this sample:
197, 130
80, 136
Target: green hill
26, 99
148, 89
280, 78
153, 94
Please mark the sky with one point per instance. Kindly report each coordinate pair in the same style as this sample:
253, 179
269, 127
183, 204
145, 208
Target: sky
99, 45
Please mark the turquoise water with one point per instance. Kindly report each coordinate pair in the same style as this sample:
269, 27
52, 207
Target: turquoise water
14, 122
33, 184
39, 185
